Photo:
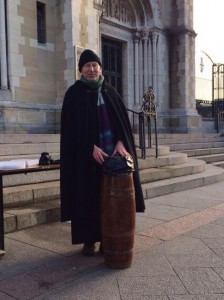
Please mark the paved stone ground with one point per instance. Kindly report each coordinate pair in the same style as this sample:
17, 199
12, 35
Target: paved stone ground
178, 255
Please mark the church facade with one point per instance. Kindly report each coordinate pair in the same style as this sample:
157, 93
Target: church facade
142, 44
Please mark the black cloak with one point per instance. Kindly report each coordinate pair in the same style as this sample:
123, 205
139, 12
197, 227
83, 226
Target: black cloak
79, 172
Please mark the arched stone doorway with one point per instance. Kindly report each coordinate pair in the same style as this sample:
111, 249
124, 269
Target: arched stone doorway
132, 24
157, 40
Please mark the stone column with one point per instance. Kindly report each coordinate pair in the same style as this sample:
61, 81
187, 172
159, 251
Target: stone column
140, 67
183, 114
3, 57
145, 63
136, 54
154, 61
150, 61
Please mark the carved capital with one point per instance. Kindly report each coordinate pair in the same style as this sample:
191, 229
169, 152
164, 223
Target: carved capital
154, 36
145, 35
136, 37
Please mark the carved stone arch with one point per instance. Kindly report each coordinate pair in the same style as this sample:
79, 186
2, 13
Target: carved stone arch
139, 12
131, 29
156, 13
125, 12
133, 13
143, 11
151, 15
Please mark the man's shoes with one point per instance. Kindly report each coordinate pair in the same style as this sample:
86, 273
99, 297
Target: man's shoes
88, 249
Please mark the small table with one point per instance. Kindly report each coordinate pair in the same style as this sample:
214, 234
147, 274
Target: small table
14, 172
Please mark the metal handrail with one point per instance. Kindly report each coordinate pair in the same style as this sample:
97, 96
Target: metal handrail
144, 117
219, 121
213, 111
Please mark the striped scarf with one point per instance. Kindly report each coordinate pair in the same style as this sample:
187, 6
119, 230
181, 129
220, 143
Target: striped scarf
105, 132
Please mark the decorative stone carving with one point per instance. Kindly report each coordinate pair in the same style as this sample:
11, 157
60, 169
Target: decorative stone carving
145, 34
117, 9
136, 36
154, 36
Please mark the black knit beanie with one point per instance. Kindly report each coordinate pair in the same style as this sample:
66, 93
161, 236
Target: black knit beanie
87, 56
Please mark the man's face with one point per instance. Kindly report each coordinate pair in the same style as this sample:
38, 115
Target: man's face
91, 70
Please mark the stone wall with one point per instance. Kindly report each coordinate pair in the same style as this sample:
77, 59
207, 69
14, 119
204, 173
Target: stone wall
157, 50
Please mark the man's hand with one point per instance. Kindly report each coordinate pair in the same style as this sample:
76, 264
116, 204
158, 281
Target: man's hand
120, 149
99, 154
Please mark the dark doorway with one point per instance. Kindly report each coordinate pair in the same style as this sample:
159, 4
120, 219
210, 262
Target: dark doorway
112, 62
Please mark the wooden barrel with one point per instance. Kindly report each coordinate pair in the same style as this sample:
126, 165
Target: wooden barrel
118, 219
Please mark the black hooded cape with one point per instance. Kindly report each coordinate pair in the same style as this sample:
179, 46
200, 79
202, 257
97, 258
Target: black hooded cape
79, 173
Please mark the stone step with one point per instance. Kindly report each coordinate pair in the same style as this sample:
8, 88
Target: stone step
28, 146
10, 151
173, 158
191, 144
151, 152
211, 175
191, 136
196, 145
192, 166
212, 158
49, 211
182, 139
14, 146
206, 151
218, 164
32, 215
31, 178
31, 193
33, 199
54, 155
188, 145
54, 175
44, 188
29, 138
169, 139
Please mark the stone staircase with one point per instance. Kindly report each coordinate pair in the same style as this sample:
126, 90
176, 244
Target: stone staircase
30, 199
34, 198
179, 166
207, 147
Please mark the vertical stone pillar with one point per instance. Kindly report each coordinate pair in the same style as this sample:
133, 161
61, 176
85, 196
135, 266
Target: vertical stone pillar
3, 57
140, 67
183, 114
145, 63
150, 61
154, 61
136, 54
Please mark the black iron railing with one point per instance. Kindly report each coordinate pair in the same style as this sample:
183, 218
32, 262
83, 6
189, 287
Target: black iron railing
213, 111
219, 121
142, 123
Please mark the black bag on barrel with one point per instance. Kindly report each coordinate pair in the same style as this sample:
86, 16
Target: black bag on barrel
116, 164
